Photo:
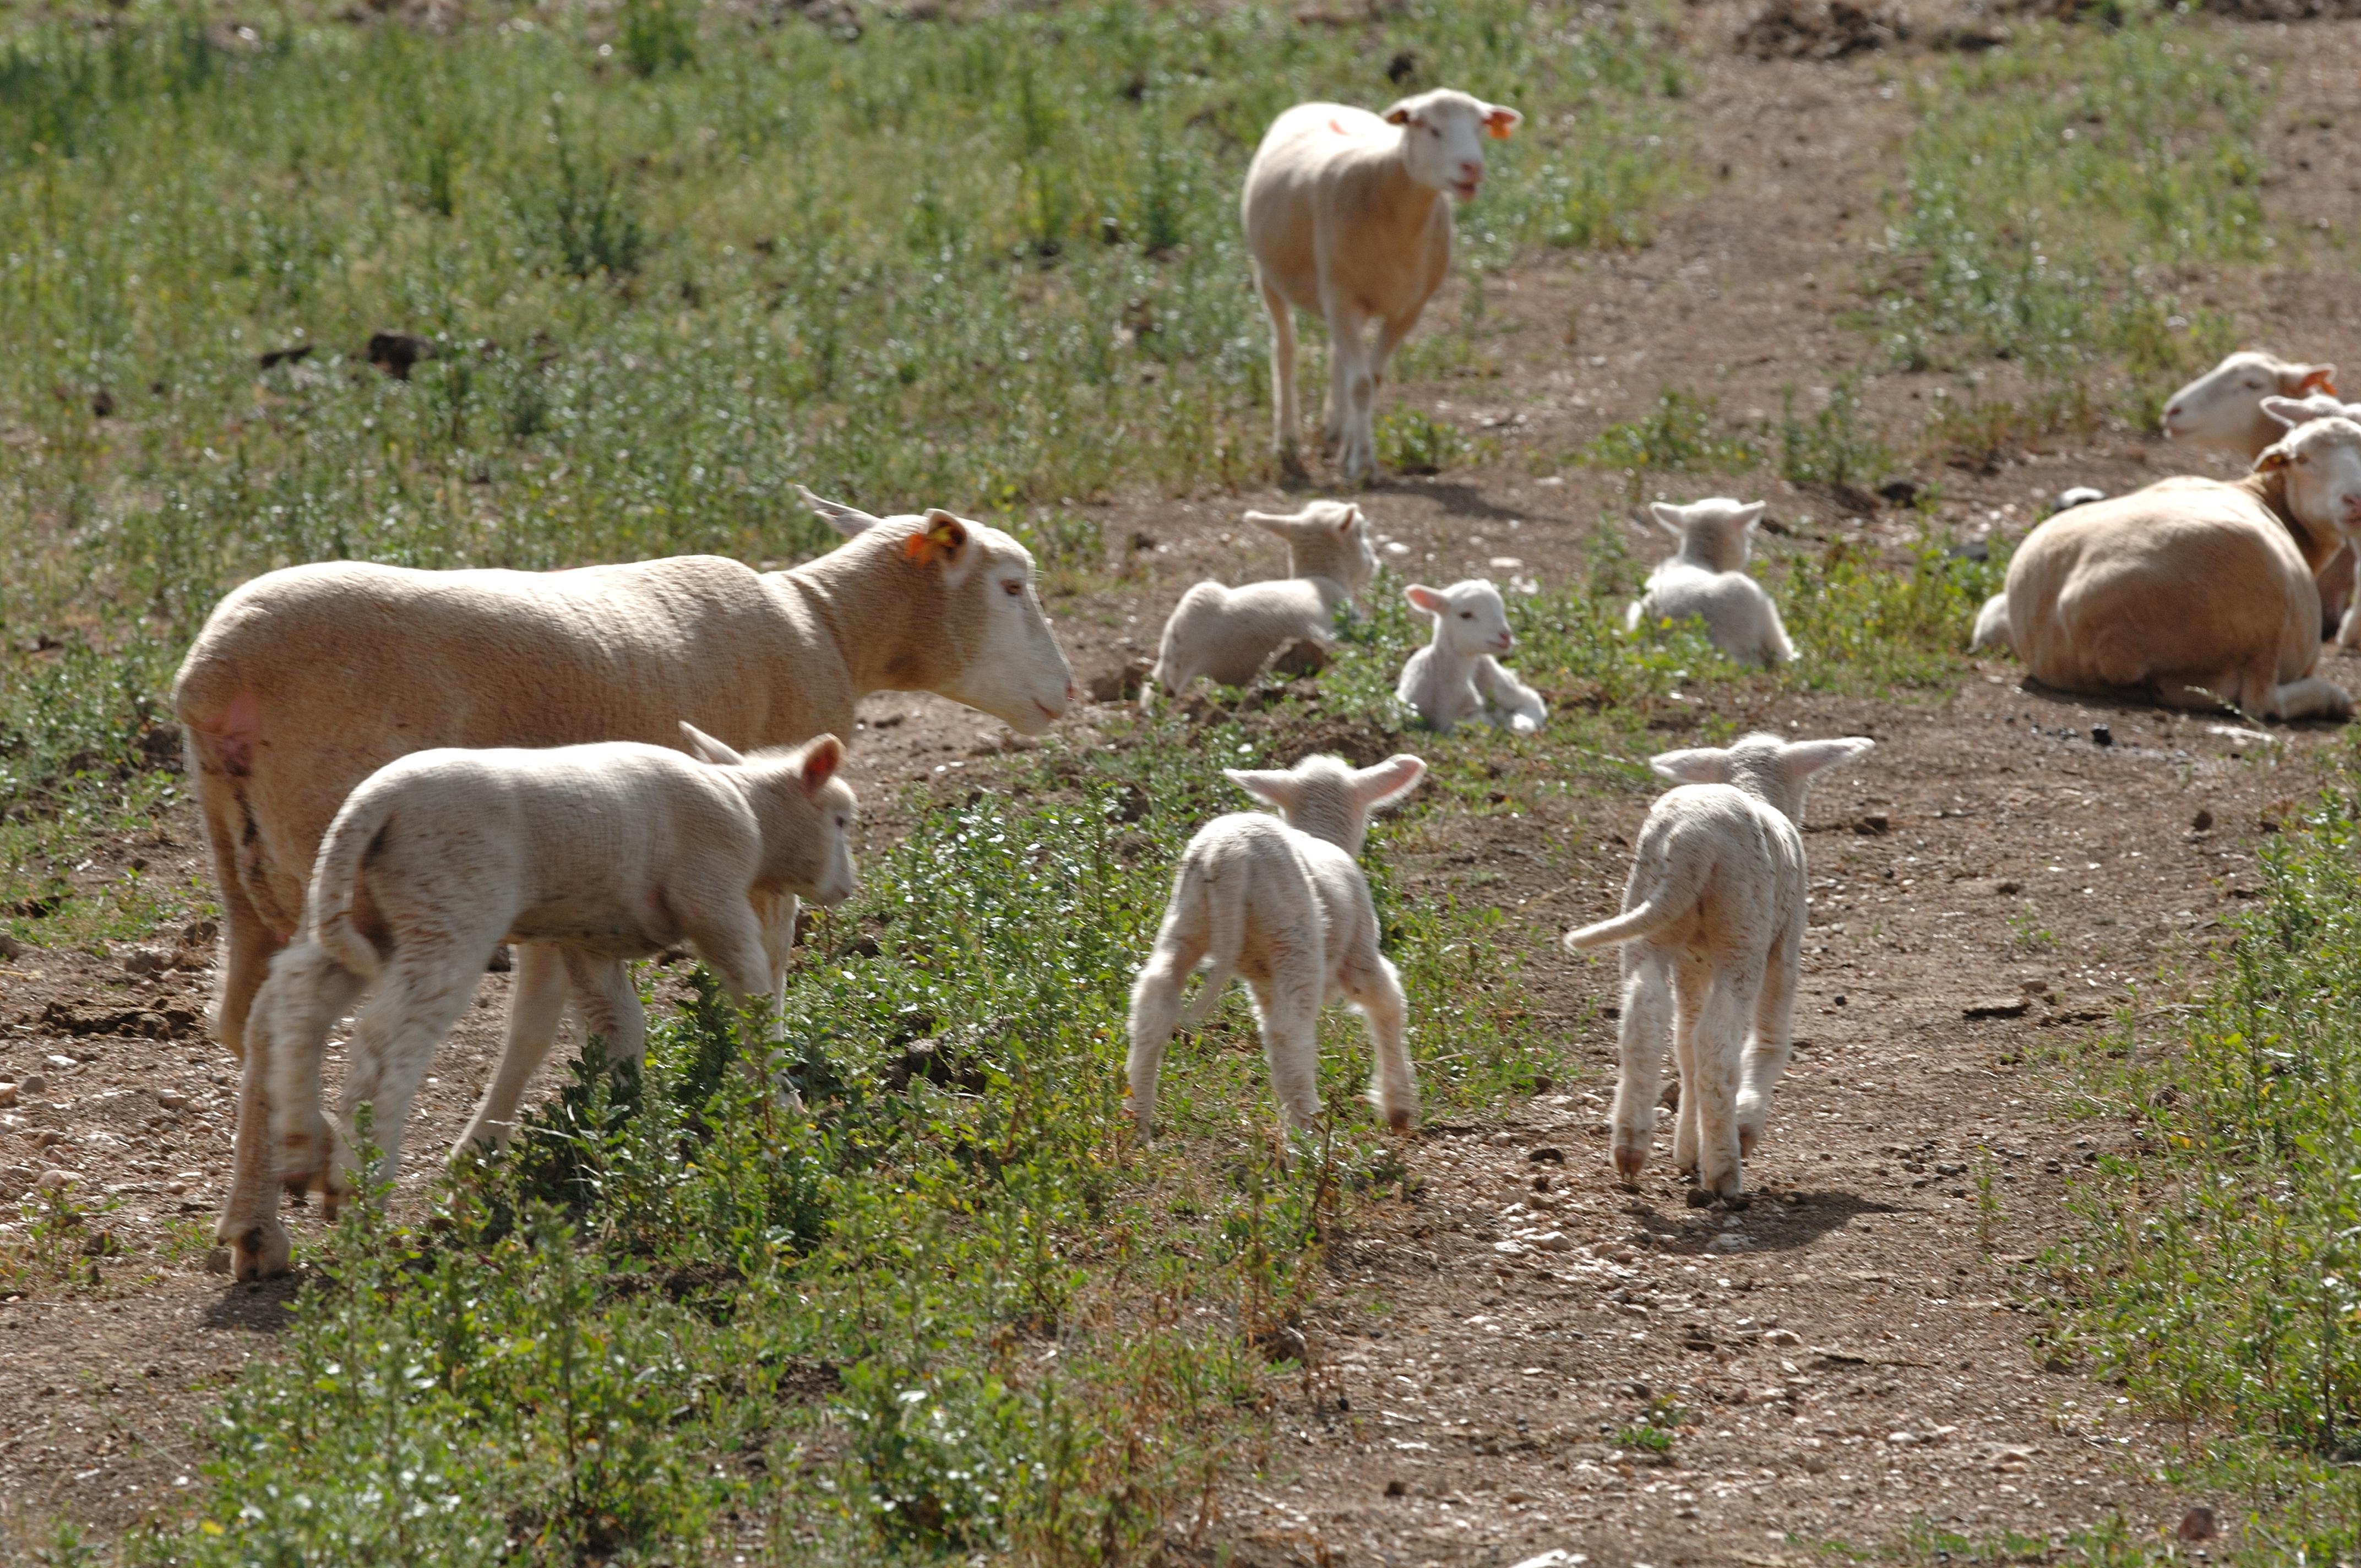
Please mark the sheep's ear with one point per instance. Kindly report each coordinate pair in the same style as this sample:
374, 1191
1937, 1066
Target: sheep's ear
1344, 524
1501, 120
1277, 522
1805, 758
1399, 115
1696, 764
1668, 517
1279, 788
1388, 781
1426, 599
940, 539
2317, 378
2290, 412
1750, 514
819, 762
847, 521
2273, 459
705, 748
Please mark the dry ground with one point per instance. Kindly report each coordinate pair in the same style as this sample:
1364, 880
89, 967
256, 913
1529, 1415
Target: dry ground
1853, 1351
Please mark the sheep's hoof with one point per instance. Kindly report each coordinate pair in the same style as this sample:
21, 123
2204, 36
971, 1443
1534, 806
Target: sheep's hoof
1748, 1136
260, 1253
1398, 1120
1627, 1162
1698, 1198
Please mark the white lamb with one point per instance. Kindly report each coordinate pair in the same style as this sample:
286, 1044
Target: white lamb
1706, 580
1346, 220
1228, 632
1457, 677
1713, 928
1283, 906
609, 852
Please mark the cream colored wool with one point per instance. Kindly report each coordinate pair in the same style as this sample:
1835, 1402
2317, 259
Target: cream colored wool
1706, 580
1228, 634
1457, 676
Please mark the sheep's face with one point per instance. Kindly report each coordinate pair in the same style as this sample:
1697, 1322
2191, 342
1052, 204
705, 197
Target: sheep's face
1443, 134
2222, 410
2321, 462
1771, 769
1714, 532
1469, 617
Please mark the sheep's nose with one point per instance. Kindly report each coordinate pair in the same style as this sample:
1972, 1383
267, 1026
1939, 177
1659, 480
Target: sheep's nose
2172, 411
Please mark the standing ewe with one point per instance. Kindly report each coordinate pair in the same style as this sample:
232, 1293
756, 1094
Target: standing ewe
1455, 677
1228, 632
1712, 931
1346, 220
2197, 592
1284, 905
1706, 579
609, 852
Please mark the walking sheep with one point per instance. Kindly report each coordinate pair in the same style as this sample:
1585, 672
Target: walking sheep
1228, 632
1283, 906
1712, 931
1706, 580
1457, 677
1346, 220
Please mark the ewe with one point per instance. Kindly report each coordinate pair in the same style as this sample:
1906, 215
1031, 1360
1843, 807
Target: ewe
305, 681
1706, 580
1712, 931
2198, 592
1228, 632
1282, 905
1457, 677
604, 852
1344, 220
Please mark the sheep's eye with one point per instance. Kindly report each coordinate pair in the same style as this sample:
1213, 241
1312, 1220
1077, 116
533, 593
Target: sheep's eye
1466, 615
1434, 131
1013, 588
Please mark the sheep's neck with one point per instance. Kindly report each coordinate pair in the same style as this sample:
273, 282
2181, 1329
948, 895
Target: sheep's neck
2316, 545
1323, 557
1398, 202
838, 592
1334, 821
1705, 555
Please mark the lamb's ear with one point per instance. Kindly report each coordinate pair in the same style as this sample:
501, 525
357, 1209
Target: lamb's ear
1695, 764
847, 521
1277, 522
706, 748
1751, 513
1388, 781
1805, 758
1426, 599
1344, 524
1399, 115
1500, 119
1668, 517
2317, 378
2290, 412
941, 540
819, 762
1279, 788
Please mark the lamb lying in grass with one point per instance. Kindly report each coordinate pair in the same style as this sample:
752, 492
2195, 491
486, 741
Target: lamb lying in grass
1283, 906
1706, 580
1228, 632
1457, 677
1712, 931
609, 852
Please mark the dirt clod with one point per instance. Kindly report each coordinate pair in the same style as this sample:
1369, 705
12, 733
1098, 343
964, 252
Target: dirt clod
1821, 29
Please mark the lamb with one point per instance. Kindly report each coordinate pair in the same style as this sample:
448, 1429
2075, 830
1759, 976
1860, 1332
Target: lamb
1228, 632
605, 852
2340, 614
1344, 220
305, 681
1706, 580
1712, 932
2198, 592
1455, 677
1283, 905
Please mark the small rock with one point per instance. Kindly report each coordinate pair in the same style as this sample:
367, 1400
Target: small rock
1900, 492
1997, 1007
55, 1181
1782, 1336
218, 1261
60, 1062
1903, 1439
1556, 1241
1300, 657
502, 960
1728, 1242
2198, 1524
1397, 1488
10, 949
7, 1094
395, 352
2102, 736
1502, 1140
33, 1084
1875, 822
2202, 822
1120, 685
148, 958
170, 1100
2080, 495
1548, 1153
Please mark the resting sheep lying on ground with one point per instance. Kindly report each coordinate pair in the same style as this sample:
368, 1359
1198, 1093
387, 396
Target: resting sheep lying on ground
305, 681
608, 852
1457, 677
1346, 220
1228, 632
1706, 580
2199, 593
1712, 931
1283, 906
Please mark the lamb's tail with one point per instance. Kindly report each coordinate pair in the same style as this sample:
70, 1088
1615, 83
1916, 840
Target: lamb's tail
1992, 626
1676, 893
336, 880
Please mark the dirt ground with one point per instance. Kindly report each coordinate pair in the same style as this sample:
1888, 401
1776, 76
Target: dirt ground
1851, 1352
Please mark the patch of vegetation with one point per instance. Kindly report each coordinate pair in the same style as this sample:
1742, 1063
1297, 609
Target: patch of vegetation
1681, 433
1829, 447
1411, 442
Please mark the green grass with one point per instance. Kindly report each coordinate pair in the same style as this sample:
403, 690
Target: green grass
2217, 1272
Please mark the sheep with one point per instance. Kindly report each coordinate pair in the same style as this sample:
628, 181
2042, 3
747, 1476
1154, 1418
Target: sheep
1712, 931
304, 681
1228, 632
2339, 607
1281, 902
607, 852
1344, 220
2198, 592
1706, 579
2222, 408
1455, 677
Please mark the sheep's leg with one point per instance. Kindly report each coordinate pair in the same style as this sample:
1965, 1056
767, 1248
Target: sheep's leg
426, 988
307, 993
1286, 414
1352, 393
1647, 1021
1287, 1005
1376, 989
536, 1001
609, 1005
1711, 1093
1391, 330
2348, 629
1766, 1052
1692, 980
1155, 1010
247, 943
2310, 698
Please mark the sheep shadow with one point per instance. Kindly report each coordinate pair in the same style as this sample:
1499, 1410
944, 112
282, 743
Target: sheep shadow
2063, 706
259, 1306
1769, 1224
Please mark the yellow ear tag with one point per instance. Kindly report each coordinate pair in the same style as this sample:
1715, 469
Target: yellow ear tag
936, 542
